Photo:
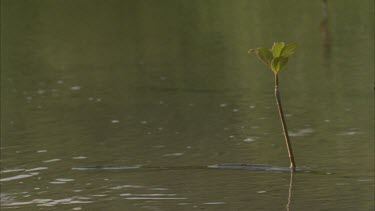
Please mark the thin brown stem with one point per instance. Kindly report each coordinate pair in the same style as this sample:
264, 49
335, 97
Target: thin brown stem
283, 123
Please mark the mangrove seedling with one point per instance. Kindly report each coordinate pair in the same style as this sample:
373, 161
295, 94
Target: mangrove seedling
276, 59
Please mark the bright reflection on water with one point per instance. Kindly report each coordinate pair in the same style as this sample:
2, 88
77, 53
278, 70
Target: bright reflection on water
156, 105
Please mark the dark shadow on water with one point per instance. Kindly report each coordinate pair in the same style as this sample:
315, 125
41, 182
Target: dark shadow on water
251, 167
254, 167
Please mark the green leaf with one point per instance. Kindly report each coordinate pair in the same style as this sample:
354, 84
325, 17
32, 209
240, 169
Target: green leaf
253, 51
277, 48
278, 63
288, 50
264, 55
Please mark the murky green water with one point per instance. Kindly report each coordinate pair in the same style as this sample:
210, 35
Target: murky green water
169, 85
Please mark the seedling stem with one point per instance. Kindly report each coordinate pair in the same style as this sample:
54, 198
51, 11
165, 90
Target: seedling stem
283, 123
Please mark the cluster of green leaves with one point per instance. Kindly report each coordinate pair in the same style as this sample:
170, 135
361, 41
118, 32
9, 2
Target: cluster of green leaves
277, 57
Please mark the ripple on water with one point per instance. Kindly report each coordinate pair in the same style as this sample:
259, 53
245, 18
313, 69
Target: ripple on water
51, 202
215, 203
61, 181
125, 186
349, 133
364, 180
75, 88
6, 198
302, 132
148, 194
57, 182
262, 191
37, 169
41, 91
155, 198
64, 180
174, 154
84, 168
21, 176
11, 170
52, 160
250, 139
159, 189
79, 158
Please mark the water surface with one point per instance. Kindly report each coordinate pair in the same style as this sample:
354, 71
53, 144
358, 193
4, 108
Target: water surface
169, 86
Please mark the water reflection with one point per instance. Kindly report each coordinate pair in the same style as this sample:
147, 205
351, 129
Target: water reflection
324, 29
290, 190
21, 176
